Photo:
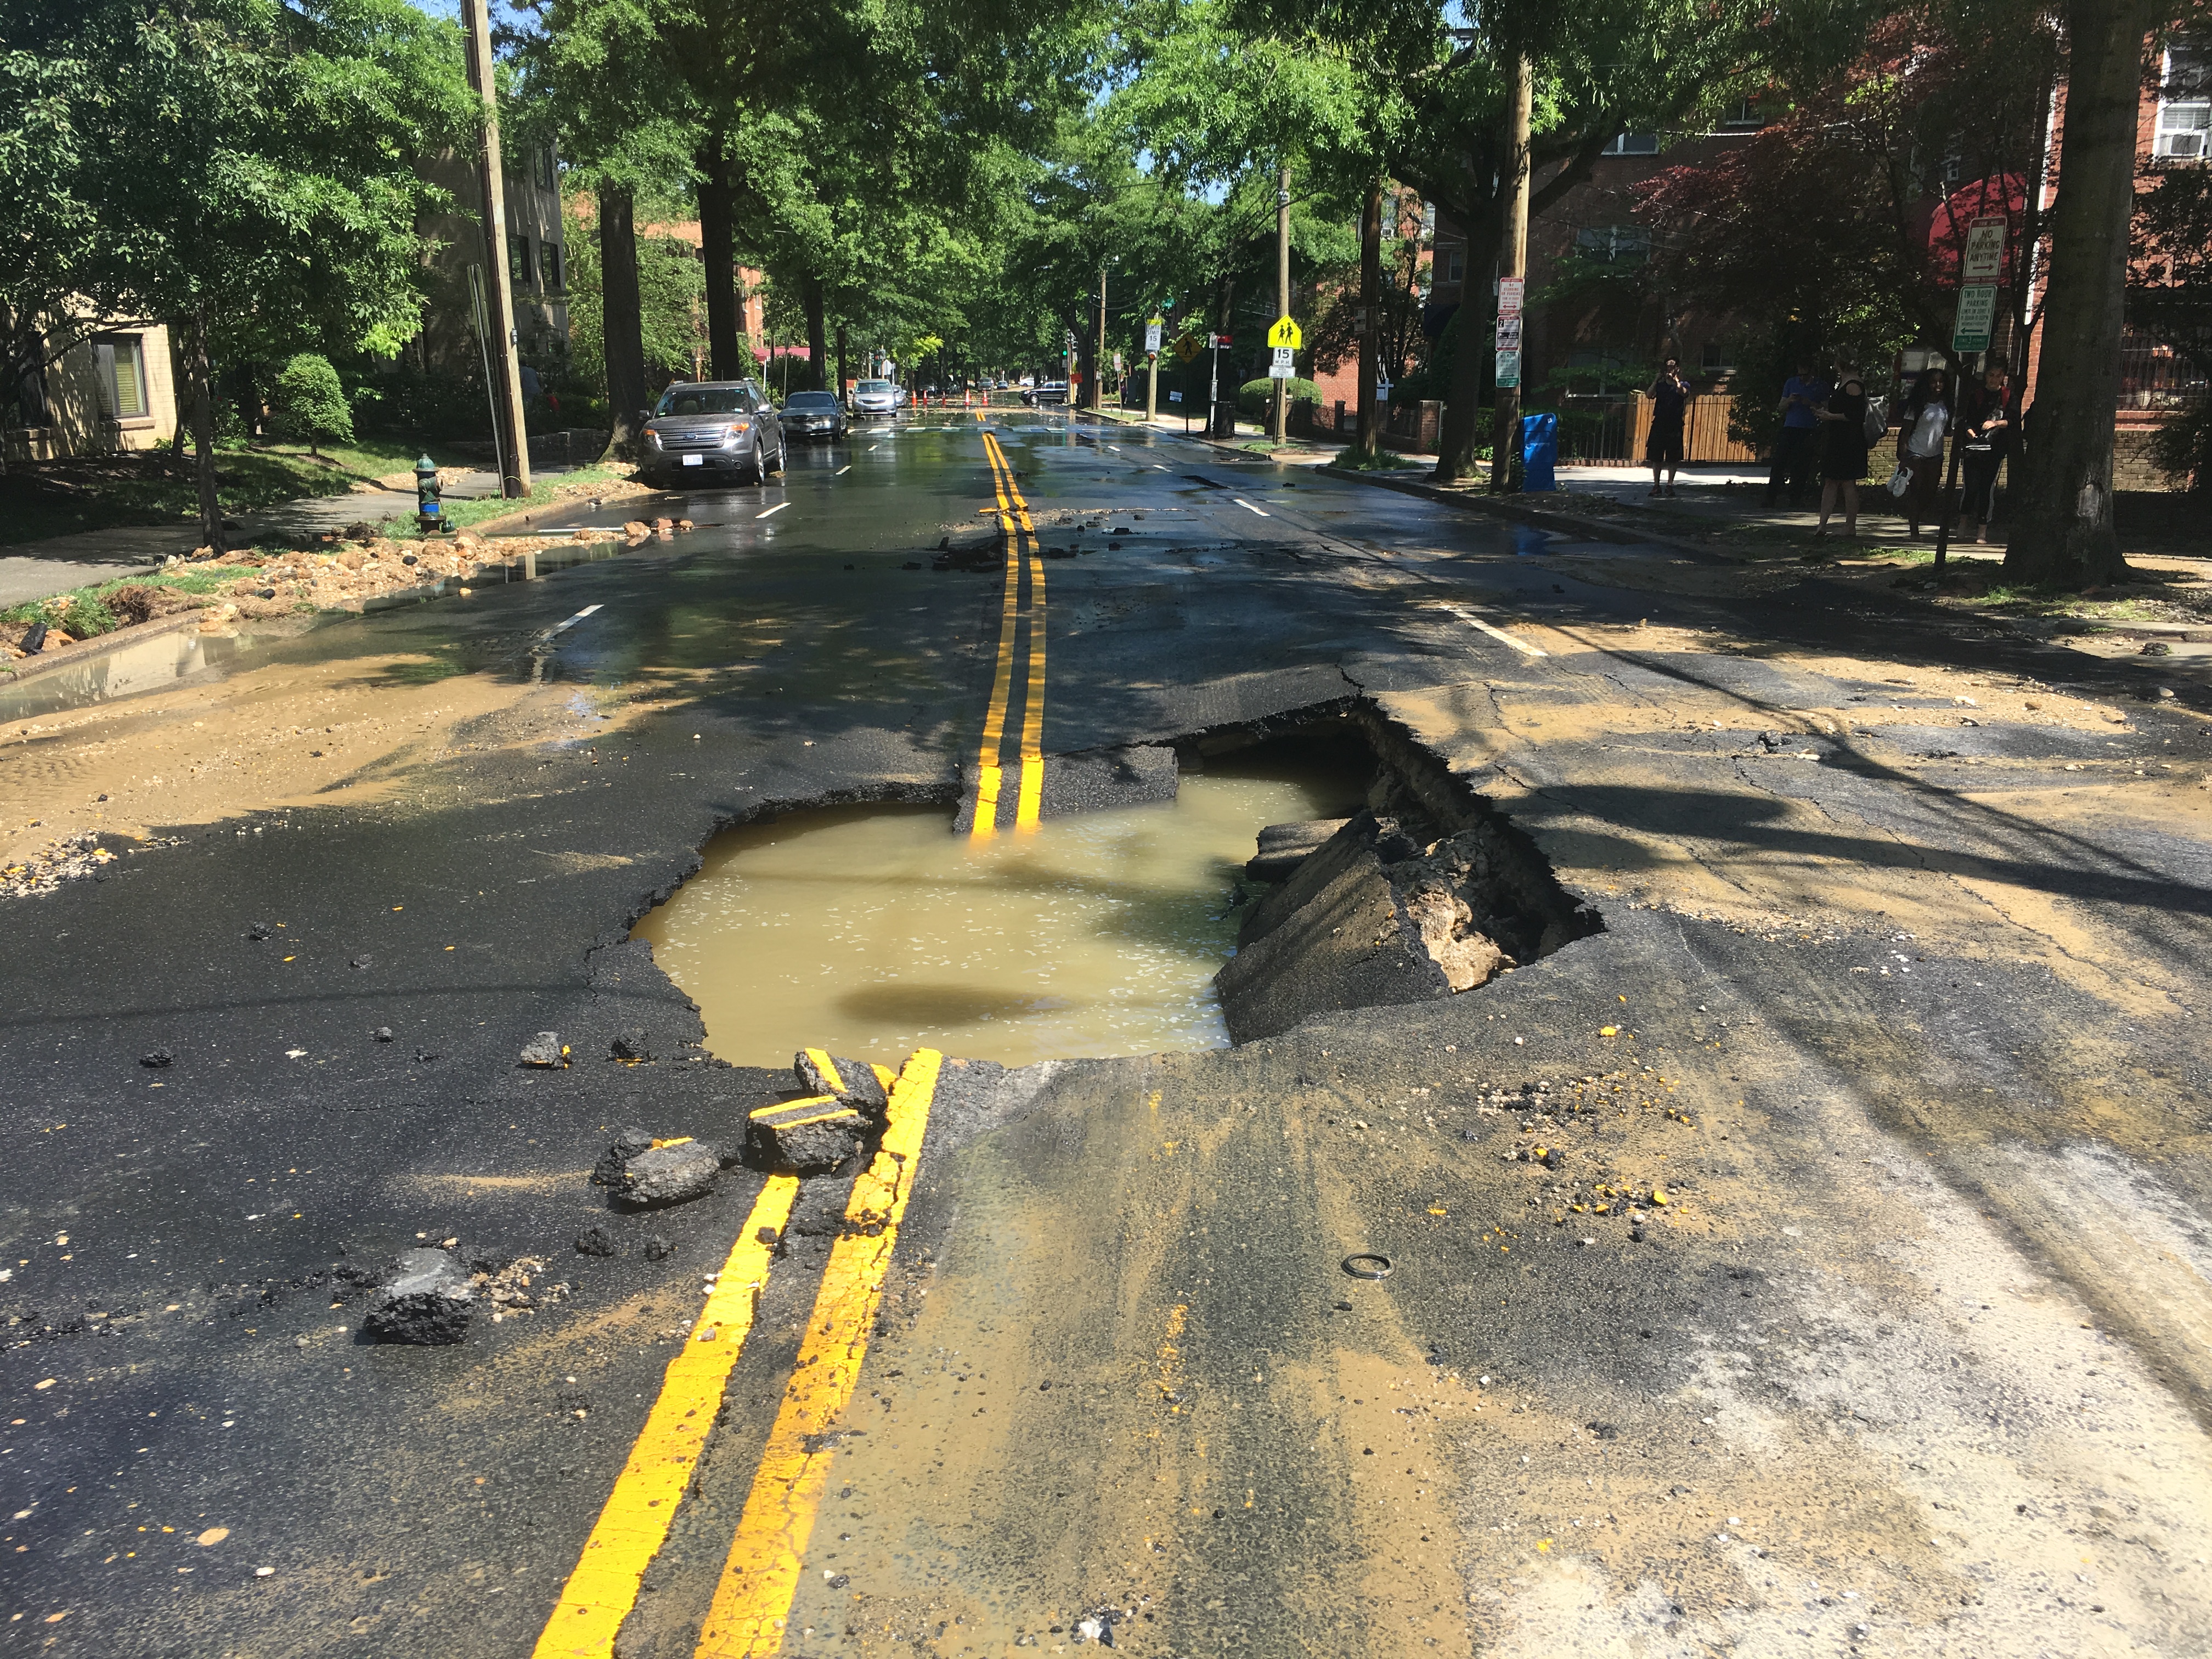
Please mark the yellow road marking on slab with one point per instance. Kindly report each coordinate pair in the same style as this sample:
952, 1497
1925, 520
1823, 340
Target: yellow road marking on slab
828, 1068
760, 1576
1031, 800
1030, 791
634, 1522
1002, 679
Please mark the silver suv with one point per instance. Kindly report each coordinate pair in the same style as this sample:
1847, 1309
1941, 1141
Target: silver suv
703, 431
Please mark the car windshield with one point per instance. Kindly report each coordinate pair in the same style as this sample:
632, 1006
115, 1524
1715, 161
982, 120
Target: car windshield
877, 385
702, 400
810, 400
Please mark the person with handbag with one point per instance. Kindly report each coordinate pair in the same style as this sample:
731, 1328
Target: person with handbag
1843, 445
1920, 446
1987, 427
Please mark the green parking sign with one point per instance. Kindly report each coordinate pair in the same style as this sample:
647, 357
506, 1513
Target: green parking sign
1977, 318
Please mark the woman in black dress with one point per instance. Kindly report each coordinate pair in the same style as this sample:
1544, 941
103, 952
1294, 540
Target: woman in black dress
1843, 451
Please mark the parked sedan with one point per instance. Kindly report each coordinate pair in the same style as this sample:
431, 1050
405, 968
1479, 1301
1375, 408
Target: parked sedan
813, 414
876, 398
1052, 392
703, 430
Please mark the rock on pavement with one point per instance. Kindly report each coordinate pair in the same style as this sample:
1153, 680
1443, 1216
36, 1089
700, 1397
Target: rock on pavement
428, 1301
672, 1173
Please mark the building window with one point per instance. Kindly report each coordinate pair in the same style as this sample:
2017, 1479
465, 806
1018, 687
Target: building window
2185, 104
1716, 358
1451, 263
518, 267
1619, 244
541, 161
1634, 143
1743, 116
551, 252
122, 376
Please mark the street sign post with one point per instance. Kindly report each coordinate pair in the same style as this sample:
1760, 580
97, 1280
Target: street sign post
1511, 291
1976, 317
1985, 248
1281, 365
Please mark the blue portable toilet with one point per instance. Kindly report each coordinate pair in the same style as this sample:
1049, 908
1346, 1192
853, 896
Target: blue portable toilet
1539, 451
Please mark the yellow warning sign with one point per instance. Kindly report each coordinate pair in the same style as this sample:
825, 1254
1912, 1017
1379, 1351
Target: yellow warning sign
1186, 347
1286, 333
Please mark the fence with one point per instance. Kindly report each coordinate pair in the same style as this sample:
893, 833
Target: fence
2154, 377
1705, 430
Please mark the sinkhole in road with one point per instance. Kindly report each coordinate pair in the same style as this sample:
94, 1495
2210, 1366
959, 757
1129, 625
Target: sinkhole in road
871, 931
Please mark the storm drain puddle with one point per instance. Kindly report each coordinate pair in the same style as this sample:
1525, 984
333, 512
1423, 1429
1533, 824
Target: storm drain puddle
873, 931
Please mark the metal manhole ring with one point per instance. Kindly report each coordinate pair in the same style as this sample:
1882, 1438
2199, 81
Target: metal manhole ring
1367, 1265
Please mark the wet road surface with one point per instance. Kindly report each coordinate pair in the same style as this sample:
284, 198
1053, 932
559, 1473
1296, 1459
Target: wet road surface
1898, 1008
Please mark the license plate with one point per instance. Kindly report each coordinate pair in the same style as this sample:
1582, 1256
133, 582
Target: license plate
695, 460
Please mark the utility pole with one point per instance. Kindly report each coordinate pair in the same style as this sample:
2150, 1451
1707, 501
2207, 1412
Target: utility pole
1513, 261
1281, 421
1098, 378
509, 433
1370, 332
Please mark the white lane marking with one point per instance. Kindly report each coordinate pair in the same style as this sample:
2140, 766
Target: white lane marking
842, 470
1499, 633
1248, 508
1117, 449
773, 511
562, 628
873, 448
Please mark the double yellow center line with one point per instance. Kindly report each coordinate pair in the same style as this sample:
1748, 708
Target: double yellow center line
1020, 538
753, 1596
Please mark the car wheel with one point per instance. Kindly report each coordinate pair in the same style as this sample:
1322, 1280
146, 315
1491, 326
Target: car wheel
780, 447
756, 471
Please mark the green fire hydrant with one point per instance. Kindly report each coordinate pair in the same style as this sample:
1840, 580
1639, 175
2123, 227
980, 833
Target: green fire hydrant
428, 512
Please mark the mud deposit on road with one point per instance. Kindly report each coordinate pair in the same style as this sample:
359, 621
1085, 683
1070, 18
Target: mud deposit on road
873, 930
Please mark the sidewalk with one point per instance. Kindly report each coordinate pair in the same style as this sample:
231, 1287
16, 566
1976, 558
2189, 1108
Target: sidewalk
38, 570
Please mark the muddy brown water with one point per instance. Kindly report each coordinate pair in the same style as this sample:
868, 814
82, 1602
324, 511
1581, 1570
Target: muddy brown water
873, 931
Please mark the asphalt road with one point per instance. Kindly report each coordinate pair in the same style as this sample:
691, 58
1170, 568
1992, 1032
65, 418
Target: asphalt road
1901, 1009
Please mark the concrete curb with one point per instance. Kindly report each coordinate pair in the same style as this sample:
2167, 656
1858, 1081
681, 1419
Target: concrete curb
14, 673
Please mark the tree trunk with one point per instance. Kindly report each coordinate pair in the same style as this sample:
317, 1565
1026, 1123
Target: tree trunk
1087, 366
818, 333
717, 254
1370, 306
622, 314
198, 375
2065, 534
842, 377
1462, 423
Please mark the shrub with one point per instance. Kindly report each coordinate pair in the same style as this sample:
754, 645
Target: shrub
310, 404
1255, 398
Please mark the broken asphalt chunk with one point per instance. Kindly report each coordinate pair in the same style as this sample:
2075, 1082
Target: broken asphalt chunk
850, 1082
427, 1301
607, 1171
545, 1049
155, 1060
811, 1136
631, 1048
595, 1240
674, 1172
